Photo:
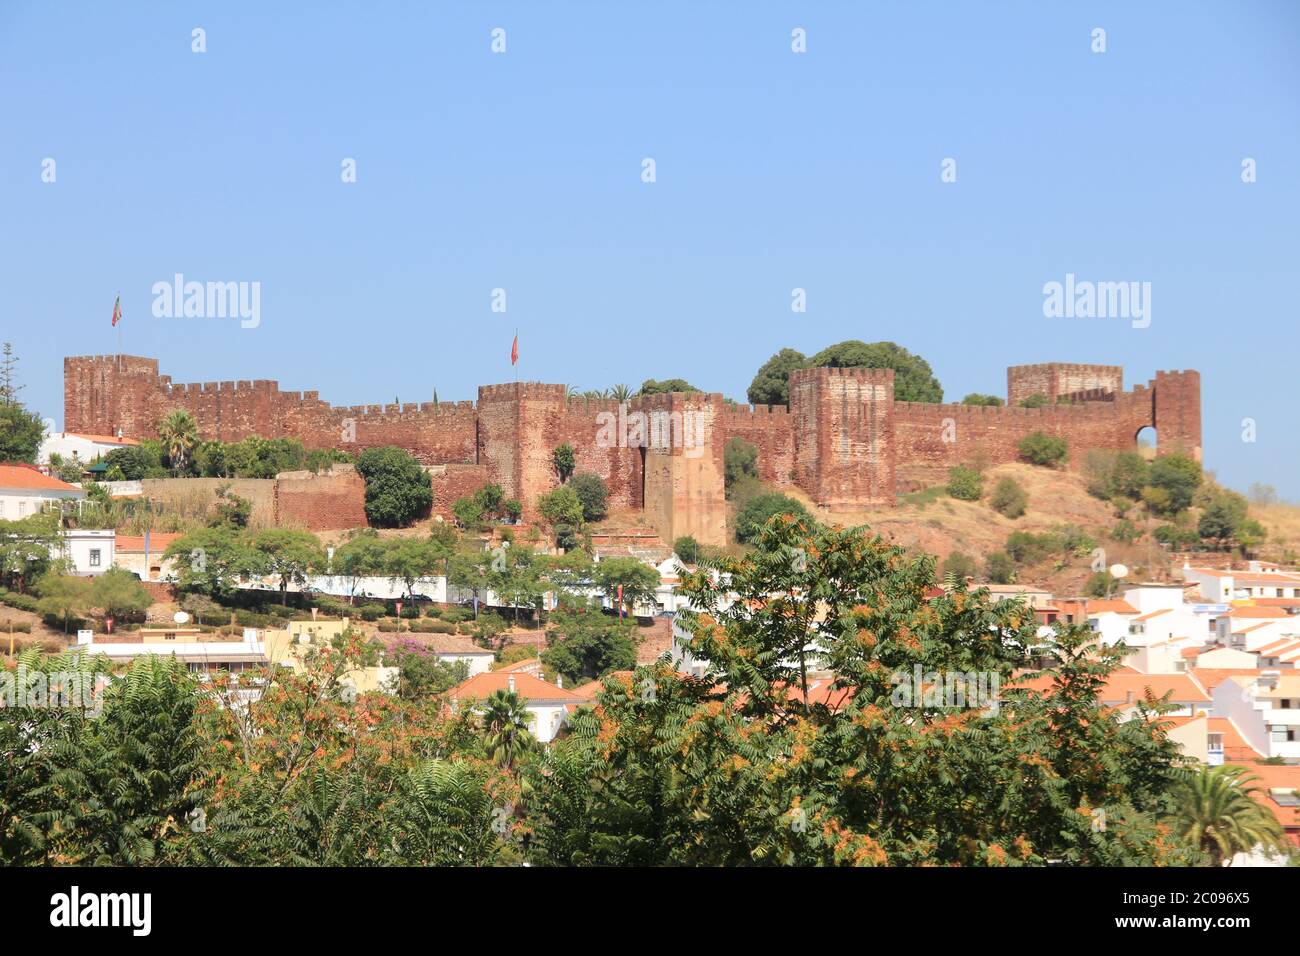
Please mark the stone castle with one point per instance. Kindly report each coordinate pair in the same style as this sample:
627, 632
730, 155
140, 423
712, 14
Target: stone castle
844, 440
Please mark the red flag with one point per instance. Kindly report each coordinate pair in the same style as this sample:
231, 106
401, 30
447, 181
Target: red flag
514, 352
117, 311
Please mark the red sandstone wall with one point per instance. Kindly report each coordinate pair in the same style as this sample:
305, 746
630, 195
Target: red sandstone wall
685, 491
100, 398
930, 439
1057, 379
330, 501
455, 481
844, 440
845, 453
769, 429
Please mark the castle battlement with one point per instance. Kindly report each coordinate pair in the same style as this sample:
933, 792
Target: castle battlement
843, 438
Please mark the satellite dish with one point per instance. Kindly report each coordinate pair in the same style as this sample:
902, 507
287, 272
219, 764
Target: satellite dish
180, 617
1118, 571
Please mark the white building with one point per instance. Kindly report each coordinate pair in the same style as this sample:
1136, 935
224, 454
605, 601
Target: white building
1265, 709
547, 704
83, 448
90, 552
25, 491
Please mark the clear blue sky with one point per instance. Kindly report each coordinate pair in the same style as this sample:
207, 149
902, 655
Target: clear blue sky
775, 171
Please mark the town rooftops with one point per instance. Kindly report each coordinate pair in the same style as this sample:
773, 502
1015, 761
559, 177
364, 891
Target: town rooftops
1251, 610
1112, 606
19, 476
528, 687
158, 542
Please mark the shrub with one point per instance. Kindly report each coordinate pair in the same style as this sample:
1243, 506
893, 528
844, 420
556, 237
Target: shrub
1036, 400
1178, 476
1048, 451
1099, 585
372, 612
960, 566
389, 627
1001, 569
1025, 547
965, 483
1009, 499
1125, 531
758, 510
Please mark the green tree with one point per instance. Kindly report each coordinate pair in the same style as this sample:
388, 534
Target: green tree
361, 555
759, 510
119, 594
976, 398
560, 508
592, 493
179, 433
289, 555
564, 461
1215, 812
21, 433
398, 489
64, 596
407, 560
1099, 585
507, 724
27, 549
651, 387
1036, 400
771, 385
1179, 476
468, 513
688, 549
637, 581
914, 380
585, 643
211, 561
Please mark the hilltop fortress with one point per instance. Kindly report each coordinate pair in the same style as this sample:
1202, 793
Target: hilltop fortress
844, 440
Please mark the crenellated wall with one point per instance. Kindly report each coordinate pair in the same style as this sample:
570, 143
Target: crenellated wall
844, 439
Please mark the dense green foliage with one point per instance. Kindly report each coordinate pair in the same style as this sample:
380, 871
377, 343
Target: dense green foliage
398, 490
1038, 448
751, 518
965, 483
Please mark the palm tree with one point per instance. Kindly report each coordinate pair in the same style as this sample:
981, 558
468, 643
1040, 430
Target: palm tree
1216, 813
179, 433
621, 392
506, 721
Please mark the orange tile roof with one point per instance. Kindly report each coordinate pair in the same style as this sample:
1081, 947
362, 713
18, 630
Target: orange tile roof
30, 478
1274, 777
1119, 687
1113, 606
527, 687
158, 542
1150, 614
1212, 677
1248, 610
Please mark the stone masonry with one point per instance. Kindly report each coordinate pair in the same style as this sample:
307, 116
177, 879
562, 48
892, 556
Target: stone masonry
844, 440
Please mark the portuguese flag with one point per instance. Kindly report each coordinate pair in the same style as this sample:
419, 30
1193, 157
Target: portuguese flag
117, 311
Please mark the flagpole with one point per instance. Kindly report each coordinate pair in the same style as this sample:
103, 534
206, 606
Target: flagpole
118, 323
516, 364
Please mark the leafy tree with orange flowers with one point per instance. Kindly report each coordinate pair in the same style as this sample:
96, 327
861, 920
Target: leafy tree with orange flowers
830, 730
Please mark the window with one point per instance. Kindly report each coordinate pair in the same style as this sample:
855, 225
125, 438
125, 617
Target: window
22, 508
1214, 743
94, 557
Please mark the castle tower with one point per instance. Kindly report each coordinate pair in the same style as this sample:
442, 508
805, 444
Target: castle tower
685, 490
1061, 380
843, 421
1176, 412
